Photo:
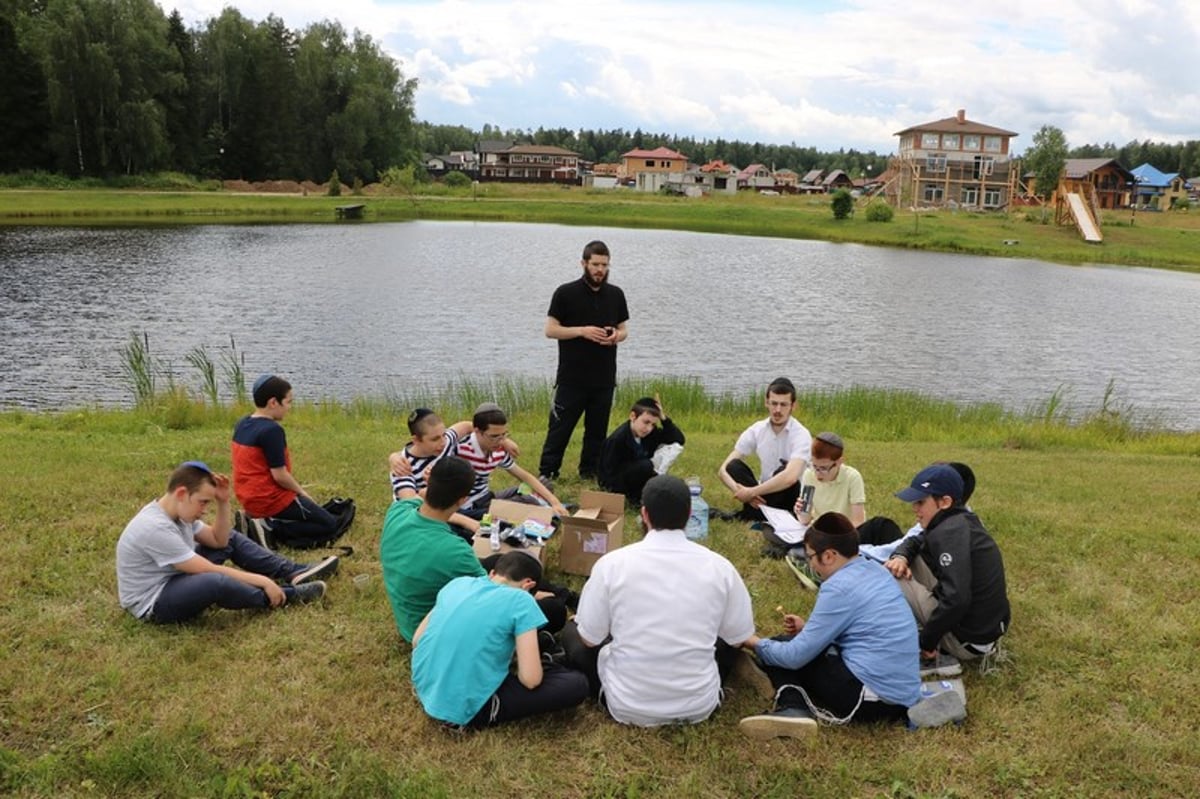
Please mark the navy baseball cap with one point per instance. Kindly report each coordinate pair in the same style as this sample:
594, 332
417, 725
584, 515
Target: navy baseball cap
938, 480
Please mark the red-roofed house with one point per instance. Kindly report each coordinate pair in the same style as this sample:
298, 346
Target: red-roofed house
756, 176
953, 162
658, 160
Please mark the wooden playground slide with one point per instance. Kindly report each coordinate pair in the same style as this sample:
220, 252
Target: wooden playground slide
1083, 219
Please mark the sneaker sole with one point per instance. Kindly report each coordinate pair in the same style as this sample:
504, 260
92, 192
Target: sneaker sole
804, 579
950, 670
325, 568
746, 671
766, 728
303, 598
937, 710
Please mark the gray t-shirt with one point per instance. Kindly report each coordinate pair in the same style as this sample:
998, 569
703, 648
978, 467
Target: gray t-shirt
147, 552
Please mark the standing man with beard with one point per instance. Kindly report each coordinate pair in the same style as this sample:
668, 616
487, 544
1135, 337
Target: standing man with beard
587, 317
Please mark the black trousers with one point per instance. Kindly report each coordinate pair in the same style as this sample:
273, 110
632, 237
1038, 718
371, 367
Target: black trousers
832, 688
593, 403
560, 688
630, 479
584, 658
785, 499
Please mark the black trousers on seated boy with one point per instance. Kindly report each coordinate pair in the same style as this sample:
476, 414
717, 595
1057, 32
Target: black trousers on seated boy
784, 499
629, 480
304, 522
561, 688
477, 509
827, 688
585, 658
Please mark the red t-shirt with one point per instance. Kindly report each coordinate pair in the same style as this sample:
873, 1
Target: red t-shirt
260, 445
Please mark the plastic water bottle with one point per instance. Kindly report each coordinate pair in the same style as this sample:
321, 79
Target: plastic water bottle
697, 523
492, 531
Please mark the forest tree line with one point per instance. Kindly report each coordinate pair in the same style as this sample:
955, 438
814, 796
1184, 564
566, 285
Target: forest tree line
98, 88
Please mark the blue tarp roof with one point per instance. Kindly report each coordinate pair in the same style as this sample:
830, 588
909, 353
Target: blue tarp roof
1150, 177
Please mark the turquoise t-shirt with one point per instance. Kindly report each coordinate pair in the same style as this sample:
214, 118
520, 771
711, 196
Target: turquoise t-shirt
419, 556
464, 654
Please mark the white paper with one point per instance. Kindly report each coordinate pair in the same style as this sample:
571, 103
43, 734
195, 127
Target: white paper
785, 525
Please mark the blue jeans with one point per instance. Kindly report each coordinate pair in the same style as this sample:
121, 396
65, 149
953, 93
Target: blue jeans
186, 596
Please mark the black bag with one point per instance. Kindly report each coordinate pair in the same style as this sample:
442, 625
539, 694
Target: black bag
340, 508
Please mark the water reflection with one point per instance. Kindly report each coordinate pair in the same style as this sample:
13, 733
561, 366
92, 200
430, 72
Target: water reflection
368, 309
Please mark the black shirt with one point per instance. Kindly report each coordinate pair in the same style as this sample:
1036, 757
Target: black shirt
582, 362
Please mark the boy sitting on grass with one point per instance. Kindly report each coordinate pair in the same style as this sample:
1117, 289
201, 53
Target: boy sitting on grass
952, 574
431, 440
463, 647
482, 449
169, 561
278, 506
417, 551
626, 460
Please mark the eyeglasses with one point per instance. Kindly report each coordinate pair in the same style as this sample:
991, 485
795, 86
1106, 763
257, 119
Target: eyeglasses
824, 469
811, 555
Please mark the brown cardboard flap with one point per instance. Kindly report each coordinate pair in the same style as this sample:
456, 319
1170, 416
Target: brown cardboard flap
596, 529
516, 512
483, 549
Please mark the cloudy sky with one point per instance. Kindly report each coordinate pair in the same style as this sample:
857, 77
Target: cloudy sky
818, 73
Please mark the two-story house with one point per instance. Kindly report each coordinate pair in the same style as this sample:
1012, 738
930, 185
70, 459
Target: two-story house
531, 163
637, 164
954, 162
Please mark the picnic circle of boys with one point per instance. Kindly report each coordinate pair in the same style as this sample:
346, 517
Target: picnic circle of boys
494, 641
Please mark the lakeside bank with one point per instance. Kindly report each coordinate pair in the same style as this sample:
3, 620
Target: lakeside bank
1159, 240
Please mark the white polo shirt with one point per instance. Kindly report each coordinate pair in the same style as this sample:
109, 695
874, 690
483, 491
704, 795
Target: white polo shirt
665, 601
775, 449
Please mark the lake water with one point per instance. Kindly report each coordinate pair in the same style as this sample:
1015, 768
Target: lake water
351, 310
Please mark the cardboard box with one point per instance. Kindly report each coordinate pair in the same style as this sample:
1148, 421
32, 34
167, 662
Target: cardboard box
514, 513
595, 529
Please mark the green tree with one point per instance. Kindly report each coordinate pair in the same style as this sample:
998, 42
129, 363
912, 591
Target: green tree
1045, 159
842, 204
24, 104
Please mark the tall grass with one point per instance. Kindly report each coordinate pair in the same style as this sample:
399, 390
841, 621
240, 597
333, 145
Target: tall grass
233, 364
139, 368
203, 363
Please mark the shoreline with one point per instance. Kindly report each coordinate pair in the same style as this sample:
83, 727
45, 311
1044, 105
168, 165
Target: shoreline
1158, 240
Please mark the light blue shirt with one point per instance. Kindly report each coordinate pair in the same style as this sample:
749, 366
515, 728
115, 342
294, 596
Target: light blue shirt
463, 655
860, 609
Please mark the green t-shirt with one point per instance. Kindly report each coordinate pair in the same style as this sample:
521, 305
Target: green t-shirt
419, 556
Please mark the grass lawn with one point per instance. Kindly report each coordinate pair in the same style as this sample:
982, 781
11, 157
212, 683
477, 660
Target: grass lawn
1165, 240
1094, 520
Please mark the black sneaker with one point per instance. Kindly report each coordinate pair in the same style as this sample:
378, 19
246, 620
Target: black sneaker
547, 481
240, 522
773, 551
316, 571
788, 722
308, 592
258, 532
551, 650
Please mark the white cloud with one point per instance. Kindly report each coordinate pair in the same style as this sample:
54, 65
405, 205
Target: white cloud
847, 75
